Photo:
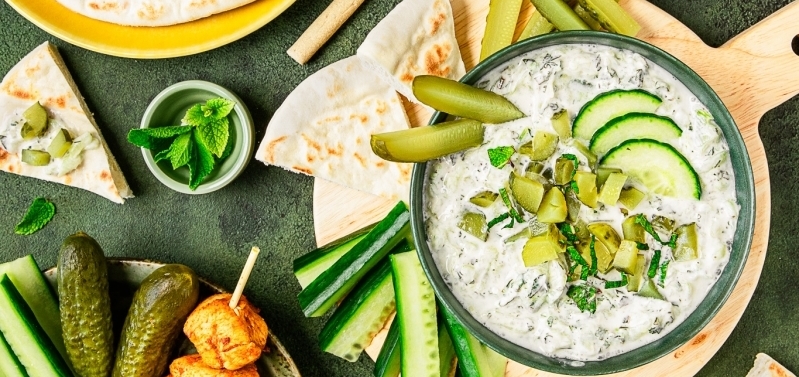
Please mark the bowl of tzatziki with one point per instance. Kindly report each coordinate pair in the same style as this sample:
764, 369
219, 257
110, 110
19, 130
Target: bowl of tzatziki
606, 227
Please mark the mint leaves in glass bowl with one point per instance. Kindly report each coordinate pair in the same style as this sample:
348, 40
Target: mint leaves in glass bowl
196, 137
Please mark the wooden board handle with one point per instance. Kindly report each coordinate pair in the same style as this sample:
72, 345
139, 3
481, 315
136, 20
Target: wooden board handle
773, 75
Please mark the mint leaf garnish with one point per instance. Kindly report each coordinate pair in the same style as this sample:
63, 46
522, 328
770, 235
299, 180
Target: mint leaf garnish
584, 296
195, 116
200, 165
149, 137
180, 150
217, 108
214, 135
38, 215
500, 156
162, 155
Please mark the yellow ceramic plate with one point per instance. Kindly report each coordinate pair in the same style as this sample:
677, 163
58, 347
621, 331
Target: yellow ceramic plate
149, 42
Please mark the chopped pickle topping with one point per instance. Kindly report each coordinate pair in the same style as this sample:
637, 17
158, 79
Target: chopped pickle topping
35, 121
35, 158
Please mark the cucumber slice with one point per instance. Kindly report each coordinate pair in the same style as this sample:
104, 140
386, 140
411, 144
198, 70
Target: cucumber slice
25, 336
311, 265
9, 364
474, 358
609, 105
361, 315
416, 313
633, 126
26, 276
658, 166
332, 285
388, 361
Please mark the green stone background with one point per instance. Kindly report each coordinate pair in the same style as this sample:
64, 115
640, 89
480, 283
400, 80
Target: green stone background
272, 208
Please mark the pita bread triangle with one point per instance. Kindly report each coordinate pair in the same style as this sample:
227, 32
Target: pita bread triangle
416, 38
324, 126
41, 76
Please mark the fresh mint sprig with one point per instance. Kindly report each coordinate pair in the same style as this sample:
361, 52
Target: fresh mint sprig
202, 139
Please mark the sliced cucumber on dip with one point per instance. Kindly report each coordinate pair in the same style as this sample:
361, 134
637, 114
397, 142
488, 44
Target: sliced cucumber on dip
428, 142
633, 126
361, 315
606, 106
311, 265
658, 166
338, 280
416, 313
27, 339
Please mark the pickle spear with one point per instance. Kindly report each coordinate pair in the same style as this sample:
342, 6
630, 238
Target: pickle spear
428, 142
500, 25
536, 25
35, 158
611, 16
560, 15
462, 100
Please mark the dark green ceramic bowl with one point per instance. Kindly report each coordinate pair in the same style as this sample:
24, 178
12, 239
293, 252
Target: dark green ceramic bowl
744, 189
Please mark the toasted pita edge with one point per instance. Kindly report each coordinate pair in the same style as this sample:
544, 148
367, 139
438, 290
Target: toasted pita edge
116, 172
394, 47
765, 366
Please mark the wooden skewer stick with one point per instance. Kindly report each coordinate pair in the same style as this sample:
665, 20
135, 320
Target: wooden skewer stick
322, 29
245, 274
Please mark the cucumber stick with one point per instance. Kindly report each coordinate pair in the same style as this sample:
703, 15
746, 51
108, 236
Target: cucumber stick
416, 313
362, 314
9, 364
26, 276
30, 343
338, 280
311, 265
474, 358
388, 360
446, 351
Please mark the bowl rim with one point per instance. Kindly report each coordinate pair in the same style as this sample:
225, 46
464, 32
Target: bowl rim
718, 294
247, 133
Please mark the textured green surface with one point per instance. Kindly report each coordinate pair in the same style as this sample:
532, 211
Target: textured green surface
271, 208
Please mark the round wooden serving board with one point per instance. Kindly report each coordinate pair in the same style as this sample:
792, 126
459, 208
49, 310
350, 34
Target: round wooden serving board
752, 73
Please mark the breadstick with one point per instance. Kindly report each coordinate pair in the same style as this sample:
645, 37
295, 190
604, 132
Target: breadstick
322, 29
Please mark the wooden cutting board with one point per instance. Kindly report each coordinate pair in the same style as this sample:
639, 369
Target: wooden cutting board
752, 73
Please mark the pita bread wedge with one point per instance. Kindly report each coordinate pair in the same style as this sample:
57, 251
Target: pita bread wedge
416, 38
324, 126
42, 77
765, 366
150, 12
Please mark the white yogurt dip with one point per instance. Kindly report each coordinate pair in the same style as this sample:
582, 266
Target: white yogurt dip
529, 305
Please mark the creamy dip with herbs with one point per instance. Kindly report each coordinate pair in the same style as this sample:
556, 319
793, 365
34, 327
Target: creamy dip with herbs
529, 305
